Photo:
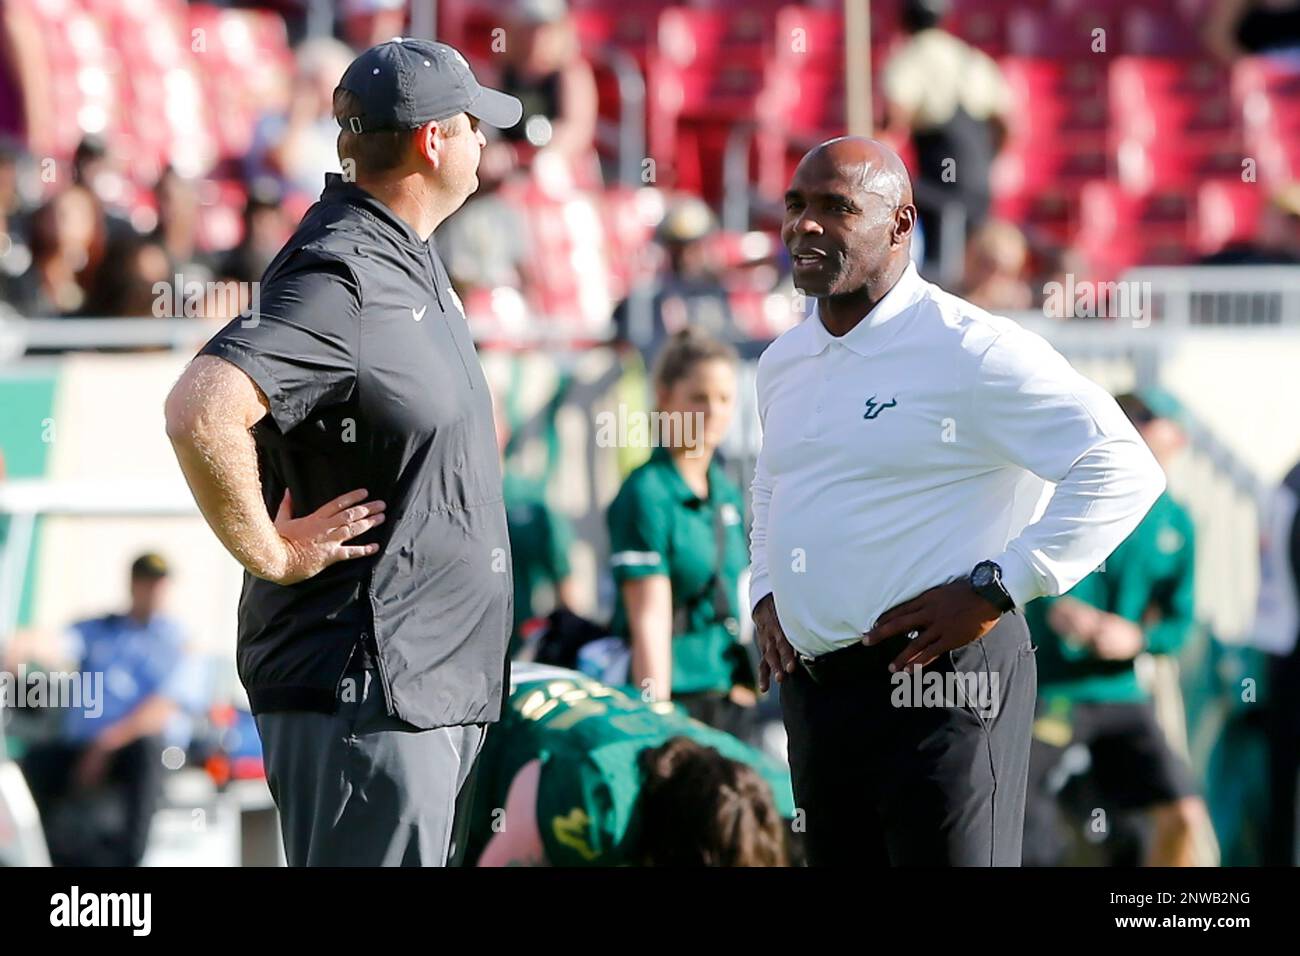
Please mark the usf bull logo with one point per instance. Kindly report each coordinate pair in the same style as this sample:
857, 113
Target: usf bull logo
874, 409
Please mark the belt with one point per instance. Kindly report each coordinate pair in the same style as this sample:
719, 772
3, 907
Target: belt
854, 662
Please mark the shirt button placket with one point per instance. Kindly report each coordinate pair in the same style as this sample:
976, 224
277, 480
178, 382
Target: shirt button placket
813, 427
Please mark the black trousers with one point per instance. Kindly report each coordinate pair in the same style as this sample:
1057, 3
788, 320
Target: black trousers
929, 771
107, 826
1283, 729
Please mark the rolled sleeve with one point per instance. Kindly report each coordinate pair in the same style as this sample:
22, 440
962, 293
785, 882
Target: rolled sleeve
299, 345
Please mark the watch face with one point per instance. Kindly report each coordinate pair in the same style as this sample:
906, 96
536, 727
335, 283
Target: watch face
982, 576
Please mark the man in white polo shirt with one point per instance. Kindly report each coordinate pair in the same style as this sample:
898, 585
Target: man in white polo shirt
908, 441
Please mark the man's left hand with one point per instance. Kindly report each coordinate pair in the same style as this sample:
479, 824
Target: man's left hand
945, 618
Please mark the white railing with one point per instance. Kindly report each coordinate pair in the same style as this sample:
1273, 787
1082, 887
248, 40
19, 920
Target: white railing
24, 500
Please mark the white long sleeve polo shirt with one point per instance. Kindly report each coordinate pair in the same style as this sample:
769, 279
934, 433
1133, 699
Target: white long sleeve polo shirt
928, 439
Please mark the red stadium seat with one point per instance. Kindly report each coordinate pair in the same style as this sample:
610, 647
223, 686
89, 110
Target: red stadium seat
1118, 229
1082, 34
705, 75
1055, 98
1267, 93
1177, 164
1227, 212
1154, 98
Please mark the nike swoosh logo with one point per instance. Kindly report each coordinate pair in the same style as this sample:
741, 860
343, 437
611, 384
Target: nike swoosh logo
420, 314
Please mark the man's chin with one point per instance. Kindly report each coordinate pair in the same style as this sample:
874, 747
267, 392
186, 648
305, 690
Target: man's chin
816, 288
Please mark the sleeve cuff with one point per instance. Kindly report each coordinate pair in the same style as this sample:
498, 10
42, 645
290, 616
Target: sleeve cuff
758, 589
626, 565
1019, 578
251, 365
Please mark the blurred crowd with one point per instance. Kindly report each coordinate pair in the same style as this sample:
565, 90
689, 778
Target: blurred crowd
77, 240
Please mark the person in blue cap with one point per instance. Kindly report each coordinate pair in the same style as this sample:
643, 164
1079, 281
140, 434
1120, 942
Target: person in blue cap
98, 783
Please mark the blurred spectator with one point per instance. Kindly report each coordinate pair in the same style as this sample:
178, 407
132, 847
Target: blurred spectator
15, 218
178, 226
129, 289
300, 147
690, 292
368, 22
98, 785
266, 228
1057, 264
93, 166
952, 100
1139, 602
678, 545
540, 539
484, 244
1277, 235
995, 266
68, 241
1237, 28
545, 69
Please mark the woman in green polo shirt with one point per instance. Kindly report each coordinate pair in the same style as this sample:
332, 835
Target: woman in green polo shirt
678, 544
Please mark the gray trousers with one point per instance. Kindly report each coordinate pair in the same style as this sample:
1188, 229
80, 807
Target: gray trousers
361, 788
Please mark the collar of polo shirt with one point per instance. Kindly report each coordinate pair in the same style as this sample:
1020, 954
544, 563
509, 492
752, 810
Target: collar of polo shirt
864, 338
677, 484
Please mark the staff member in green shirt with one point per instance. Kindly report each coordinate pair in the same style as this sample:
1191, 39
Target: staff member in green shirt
678, 545
540, 541
1139, 601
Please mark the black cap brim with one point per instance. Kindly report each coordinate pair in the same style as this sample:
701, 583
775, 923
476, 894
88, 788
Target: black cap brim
495, 108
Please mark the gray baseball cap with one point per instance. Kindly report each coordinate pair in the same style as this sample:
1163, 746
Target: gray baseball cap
407, 82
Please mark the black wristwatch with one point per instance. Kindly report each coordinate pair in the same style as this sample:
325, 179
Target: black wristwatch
986, 581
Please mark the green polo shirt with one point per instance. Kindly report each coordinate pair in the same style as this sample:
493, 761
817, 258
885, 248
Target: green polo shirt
540, 539
1153, 568
657, 525
589, 738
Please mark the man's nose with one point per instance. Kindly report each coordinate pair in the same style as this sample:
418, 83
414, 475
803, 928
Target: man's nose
806, 224
482, 140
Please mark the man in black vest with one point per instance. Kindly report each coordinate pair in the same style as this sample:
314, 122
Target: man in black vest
365, 504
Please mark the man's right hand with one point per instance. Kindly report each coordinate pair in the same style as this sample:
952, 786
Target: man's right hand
778, 657
315, 541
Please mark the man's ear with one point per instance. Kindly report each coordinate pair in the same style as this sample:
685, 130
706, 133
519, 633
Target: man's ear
428, 143
904, 222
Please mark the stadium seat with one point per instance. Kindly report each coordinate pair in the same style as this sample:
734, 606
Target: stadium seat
1071, 34
570, 261
1226, 213
1055, 98
705, 76
1119, 228
1174, 164
1154, 98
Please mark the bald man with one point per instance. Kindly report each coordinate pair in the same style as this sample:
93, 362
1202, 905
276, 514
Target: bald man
904, 514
